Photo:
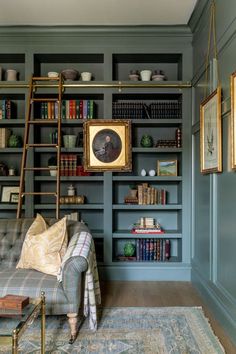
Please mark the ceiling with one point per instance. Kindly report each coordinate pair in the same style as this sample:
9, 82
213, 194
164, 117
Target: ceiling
94, 12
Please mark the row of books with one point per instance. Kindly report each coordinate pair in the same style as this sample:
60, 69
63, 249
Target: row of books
140, 110
4, 137
6, 109
71, 109
68, 165
152, 249
151, 195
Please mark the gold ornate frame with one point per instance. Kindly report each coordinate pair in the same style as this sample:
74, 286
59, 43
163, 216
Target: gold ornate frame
95, 133
233, 119
210, 133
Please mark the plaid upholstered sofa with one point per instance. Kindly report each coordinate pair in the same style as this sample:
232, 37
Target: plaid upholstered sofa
61, 297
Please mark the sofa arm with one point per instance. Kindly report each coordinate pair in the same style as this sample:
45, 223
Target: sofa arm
72, 280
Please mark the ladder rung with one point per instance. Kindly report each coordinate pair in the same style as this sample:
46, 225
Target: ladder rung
46, 78
41, 145
40, 168
44, 99
44, 121
39, 193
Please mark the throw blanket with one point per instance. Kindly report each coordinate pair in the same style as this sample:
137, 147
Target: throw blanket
82, 245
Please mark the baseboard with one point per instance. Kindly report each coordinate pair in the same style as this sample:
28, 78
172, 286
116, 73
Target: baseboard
155, 273
219, 303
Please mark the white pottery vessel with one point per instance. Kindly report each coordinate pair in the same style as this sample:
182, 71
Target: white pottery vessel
152, 173
145, 75
143, 172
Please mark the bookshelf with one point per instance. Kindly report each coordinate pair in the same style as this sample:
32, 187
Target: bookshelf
107, 215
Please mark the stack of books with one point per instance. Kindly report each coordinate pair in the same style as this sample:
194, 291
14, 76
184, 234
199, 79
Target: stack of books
147, 226
150, 195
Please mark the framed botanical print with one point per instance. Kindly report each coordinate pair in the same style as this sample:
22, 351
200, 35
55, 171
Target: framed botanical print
107, 145
210, 133
233, 119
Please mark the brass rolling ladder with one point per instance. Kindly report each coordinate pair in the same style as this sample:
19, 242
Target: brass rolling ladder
43, 82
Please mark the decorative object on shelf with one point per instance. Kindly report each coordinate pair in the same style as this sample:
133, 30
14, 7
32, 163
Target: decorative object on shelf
133, 191
6, 192
210, 133
166, 143
11, 171
158, 76
15, 141
77, 199
53, 74
3, 169
143, 172
11, 75
129, 249
70, 74
134, 75
146, 75
107, 145
86, 76
146, 141
69, 141
52, 163
81, 172
71, 190
167, 167
233, 118
147, 225
152, 173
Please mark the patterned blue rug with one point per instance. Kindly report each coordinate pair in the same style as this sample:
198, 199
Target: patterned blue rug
136, 330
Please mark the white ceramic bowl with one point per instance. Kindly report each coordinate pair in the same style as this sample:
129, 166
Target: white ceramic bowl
52, 74
145, 75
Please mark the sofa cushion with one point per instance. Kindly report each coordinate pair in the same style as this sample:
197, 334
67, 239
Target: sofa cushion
30, 283
44, 247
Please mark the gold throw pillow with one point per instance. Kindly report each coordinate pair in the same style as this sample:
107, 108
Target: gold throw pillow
44, 247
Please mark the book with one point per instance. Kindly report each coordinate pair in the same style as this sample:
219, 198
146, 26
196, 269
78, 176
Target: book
146, 231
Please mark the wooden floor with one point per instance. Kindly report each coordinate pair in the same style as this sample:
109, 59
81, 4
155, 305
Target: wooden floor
119, 293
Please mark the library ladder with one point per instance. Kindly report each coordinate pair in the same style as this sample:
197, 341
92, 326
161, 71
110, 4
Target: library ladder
35, 83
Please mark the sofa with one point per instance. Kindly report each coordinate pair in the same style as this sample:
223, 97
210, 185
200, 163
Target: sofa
61, 297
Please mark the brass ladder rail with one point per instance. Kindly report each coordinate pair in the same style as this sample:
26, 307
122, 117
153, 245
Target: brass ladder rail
29, 123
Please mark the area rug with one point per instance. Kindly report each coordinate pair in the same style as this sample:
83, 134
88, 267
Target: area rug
136, 330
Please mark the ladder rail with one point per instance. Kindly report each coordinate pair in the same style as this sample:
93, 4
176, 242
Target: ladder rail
59, 149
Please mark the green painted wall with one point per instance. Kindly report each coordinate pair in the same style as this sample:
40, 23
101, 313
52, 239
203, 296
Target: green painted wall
214, 196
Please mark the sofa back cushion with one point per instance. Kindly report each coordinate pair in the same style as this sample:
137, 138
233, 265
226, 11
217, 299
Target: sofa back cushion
12, 235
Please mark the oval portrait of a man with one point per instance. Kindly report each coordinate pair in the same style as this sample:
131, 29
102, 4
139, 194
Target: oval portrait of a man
106, 145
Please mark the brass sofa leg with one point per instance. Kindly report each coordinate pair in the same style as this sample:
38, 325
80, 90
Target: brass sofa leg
73, 322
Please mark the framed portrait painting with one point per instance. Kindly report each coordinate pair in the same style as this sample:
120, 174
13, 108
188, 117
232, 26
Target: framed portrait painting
233, 119
210, 133
107, 145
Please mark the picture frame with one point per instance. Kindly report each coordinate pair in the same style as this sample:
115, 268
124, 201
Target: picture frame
7, 191
107, 145
210, 133
233, 119
14, 197
167, 167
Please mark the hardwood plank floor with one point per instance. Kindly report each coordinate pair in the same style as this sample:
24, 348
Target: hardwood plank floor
121, 293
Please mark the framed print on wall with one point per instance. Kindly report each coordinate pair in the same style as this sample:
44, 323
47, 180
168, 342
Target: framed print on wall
233, 118
6, 193
210, 133
107, 145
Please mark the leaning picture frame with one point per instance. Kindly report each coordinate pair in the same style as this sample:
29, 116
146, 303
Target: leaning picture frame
6, 193
167, 168
210, 133
107, 145
233, 119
